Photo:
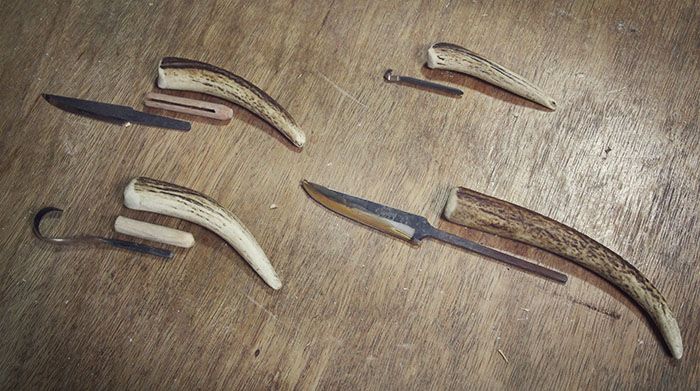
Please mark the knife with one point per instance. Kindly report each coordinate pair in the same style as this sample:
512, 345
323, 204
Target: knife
410, 227
120, 115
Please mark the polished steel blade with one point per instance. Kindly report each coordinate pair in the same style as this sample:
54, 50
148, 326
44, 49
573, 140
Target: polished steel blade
116, 114
410, 227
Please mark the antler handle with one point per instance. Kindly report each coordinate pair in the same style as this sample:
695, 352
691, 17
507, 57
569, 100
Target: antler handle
189, 75
171, 200
498, 217
456, 58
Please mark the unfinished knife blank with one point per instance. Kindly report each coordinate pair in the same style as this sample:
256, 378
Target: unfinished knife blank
161, 197
189, 75
188, 106
153, 232
456, 58
498, 217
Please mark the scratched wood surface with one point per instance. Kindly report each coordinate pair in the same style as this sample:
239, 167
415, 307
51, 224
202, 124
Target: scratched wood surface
618, 160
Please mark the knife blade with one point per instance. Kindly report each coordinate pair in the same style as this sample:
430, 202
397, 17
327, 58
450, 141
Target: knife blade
411, 227
116, 114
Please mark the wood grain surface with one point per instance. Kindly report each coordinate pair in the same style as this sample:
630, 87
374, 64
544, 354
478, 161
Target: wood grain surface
359, 310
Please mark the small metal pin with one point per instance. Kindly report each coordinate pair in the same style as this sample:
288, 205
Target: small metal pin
390, 77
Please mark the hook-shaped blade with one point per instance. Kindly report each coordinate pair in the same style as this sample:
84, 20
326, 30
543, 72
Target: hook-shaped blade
123, 244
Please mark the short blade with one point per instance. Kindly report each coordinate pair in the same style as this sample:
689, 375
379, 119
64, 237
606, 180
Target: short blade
116, 114
388, 220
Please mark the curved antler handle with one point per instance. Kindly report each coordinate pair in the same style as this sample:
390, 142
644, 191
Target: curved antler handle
498, 217
456, 58
155, 196
189, 75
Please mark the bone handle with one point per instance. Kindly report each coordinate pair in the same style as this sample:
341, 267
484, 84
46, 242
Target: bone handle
189, 75
488, 214
165, 198
153, 232
456, 58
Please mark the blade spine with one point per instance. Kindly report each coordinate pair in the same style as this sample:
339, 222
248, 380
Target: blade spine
64, 103
76, 102
359, 201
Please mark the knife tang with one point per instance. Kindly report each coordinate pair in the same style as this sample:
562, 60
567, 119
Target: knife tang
495, 254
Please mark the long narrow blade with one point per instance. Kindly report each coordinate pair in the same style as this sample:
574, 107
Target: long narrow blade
388, 220
116, 114
409, 227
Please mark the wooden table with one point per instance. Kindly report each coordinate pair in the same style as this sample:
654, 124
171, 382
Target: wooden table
618, 160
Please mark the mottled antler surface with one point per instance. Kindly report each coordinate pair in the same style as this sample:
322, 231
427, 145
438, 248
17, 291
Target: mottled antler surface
165, 198
189, 75
456, 58
498, 217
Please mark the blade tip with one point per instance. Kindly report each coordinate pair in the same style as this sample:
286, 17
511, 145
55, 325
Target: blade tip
309, 185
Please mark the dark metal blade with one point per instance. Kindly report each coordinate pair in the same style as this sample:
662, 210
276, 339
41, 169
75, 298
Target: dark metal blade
116, 114
392, 221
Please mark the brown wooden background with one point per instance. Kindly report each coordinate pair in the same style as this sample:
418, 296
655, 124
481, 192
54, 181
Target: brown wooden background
618, 160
